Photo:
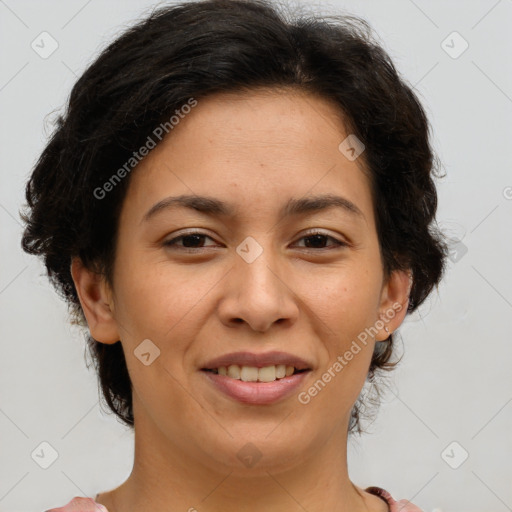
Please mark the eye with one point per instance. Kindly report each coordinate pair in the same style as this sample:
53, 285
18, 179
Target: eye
317, 238
190, 241
193, 240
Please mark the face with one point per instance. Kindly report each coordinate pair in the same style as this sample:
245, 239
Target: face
257, 278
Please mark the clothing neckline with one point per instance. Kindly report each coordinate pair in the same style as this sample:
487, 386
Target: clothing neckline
382, 494
376, 491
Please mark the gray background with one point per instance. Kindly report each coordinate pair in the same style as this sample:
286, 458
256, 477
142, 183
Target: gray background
454, 383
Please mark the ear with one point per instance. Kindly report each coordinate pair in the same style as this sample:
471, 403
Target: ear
97, 303
394, 302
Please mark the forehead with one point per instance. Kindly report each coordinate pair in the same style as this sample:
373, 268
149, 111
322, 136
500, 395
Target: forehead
261, 148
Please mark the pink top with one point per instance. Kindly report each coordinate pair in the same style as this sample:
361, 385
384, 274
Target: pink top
78, 504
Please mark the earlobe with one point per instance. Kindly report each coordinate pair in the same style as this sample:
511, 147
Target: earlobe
394, 302
96, 301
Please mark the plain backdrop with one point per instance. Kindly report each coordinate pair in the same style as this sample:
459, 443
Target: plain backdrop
442, 438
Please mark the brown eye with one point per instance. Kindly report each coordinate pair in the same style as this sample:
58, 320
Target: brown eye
191, 241
317, 241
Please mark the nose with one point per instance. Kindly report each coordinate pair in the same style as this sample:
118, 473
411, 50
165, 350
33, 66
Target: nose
259, 293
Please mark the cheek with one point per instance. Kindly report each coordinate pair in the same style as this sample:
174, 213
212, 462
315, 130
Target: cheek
159, 302
154, 295
346, 300
346, 304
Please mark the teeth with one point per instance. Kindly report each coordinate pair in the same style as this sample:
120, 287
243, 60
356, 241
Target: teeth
249, 374
234, 371
266, 374
281, 371
254, 374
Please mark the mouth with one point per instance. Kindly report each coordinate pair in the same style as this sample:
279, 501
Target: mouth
269, 373
257, 379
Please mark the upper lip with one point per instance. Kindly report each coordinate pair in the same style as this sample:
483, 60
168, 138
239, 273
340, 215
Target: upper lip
257, 360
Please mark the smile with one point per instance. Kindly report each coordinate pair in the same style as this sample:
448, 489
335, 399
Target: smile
256, 391
255, 374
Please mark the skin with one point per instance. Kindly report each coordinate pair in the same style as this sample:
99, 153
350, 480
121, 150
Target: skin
254, 150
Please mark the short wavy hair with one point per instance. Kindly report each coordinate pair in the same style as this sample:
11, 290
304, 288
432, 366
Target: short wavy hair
195, 49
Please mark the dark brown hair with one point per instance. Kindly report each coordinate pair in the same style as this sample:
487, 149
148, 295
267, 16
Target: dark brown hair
198, 48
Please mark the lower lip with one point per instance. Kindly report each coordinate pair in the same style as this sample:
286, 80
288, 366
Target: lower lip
256, 393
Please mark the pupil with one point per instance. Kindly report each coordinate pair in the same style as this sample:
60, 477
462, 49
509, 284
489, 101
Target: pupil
188, 237
317, 238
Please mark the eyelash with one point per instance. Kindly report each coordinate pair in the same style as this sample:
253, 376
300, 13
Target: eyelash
172, 243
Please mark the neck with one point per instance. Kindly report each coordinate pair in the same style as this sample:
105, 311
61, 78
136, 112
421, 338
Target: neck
163, 474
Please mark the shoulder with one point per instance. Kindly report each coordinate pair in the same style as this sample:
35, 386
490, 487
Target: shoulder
394, 506
78, 504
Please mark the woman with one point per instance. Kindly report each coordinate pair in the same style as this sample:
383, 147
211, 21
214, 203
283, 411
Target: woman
240, 209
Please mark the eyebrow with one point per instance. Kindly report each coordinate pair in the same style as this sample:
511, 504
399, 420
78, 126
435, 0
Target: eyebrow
215, 207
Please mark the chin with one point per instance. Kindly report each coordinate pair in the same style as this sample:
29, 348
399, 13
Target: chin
251, 456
